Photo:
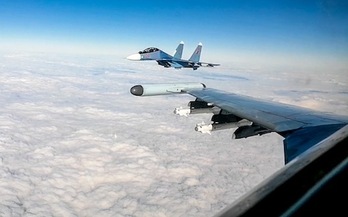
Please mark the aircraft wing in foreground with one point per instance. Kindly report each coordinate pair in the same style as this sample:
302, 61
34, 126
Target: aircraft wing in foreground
301, 128
314, 179
166, 60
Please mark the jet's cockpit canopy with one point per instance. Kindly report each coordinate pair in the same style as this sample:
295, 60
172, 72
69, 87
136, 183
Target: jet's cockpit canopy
149, 50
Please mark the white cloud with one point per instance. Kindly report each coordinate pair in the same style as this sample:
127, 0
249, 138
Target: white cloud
74, 141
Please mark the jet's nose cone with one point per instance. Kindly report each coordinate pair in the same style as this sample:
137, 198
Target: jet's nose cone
134, 57
137, 90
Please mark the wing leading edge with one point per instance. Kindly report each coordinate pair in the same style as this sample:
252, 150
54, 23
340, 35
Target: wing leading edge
301, 128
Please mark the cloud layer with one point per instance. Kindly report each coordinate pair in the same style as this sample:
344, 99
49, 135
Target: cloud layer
75, 142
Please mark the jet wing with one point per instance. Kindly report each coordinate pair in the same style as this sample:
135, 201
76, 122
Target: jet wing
301, 128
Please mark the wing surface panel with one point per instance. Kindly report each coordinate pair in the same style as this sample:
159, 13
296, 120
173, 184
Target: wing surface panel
275, 116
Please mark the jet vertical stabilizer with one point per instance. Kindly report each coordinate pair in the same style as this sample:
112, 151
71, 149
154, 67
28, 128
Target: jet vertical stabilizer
196, 54
179, 50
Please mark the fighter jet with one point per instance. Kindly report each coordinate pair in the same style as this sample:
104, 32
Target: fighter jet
175, 61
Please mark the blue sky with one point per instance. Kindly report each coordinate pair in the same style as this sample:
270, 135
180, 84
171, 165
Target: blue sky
264, 30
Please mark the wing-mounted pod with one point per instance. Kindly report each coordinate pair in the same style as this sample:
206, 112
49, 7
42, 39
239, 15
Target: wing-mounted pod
196, 107
225, 120
164, 89
251, 130
221, 121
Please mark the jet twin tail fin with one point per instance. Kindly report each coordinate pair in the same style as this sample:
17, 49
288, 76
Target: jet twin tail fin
196, 54
178, 51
